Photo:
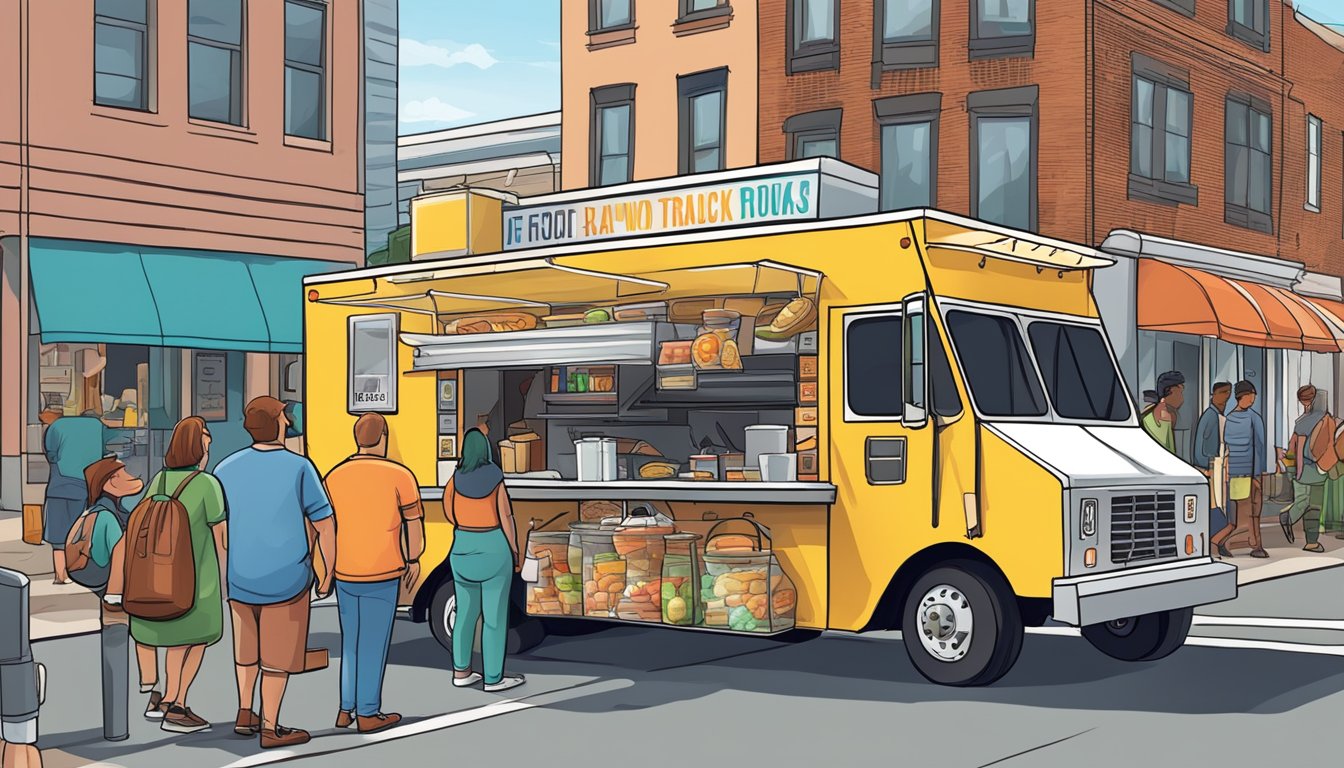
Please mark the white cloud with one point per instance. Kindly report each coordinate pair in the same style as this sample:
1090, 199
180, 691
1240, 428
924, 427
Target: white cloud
431, 110
414, 53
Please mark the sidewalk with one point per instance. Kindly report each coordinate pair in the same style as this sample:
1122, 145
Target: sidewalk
54, 611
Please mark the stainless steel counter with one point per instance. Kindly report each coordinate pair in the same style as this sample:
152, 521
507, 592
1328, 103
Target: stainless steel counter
526, 489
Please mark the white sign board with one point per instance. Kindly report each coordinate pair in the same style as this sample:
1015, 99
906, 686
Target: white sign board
729, 203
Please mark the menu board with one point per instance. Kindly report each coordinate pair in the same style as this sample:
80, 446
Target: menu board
210, 386
373, 353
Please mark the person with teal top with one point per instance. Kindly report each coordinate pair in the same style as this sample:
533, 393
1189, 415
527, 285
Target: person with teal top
1159, 421
484, 558
187, 636
71, 444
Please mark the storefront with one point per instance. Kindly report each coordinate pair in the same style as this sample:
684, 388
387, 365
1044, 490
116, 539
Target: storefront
142, 337
1217, 315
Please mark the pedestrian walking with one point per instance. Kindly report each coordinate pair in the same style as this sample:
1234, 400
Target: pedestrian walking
1308, 479
380, 535
273, 494
484, 558
71, 444
186, 637
1245, 438
1210, 455
110, 484
1159, 421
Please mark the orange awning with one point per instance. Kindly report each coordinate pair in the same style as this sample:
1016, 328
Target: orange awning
1188, 300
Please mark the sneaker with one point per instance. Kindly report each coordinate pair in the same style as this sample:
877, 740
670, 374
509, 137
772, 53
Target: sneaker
283, 737
1259, 553
1286, 523
468, 681
505, 683
1223, 551
378, 722
183, 720
156, 706
248, 723
345, 719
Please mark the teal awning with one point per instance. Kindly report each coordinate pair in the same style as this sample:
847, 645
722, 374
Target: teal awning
116, 294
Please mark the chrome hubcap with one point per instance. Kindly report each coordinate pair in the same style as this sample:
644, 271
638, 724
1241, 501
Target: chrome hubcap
449, 615
945, 623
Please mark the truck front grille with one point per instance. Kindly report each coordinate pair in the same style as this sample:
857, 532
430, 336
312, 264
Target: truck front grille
1143, 527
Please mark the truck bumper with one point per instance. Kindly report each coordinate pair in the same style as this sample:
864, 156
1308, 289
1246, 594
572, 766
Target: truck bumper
1085, 600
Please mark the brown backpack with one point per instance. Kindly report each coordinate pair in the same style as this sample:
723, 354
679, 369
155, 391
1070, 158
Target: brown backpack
160, 564
1321, 444
79, 542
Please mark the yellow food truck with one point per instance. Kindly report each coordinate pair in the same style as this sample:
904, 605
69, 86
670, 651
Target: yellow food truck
747, 402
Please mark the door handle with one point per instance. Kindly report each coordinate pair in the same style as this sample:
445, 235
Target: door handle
884, 460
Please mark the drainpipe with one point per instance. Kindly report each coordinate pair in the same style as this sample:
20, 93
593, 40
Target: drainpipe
22, 680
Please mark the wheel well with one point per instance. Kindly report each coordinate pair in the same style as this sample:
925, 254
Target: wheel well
887, 614
423, 596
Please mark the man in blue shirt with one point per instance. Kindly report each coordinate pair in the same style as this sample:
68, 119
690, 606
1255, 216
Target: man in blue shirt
272, 493
1209, 446
71, 444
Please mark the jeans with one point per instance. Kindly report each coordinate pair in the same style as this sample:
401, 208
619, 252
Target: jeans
367, 610
1307, 503
482, 565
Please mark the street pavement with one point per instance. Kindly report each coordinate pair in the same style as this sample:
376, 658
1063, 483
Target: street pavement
665, 697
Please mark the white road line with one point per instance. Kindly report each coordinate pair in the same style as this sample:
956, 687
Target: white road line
442, 722
1262, 621
1219, 642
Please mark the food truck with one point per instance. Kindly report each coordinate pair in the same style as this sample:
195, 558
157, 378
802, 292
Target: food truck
747, 402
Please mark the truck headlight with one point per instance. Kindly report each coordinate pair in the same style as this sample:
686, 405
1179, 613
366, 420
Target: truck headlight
1088, 527
1191, 508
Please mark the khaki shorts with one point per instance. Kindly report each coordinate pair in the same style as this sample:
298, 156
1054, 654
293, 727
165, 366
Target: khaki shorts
275, 636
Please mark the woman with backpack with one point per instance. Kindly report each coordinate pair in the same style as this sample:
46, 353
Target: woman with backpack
183, 482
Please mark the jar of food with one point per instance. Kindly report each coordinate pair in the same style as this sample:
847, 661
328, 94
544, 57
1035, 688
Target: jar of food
743, 588
604, 577
642, 550
717, 335
557, 590
682, 573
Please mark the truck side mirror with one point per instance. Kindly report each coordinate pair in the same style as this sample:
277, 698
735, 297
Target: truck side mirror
914, 371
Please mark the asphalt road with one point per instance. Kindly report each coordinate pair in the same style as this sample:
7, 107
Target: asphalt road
661, 697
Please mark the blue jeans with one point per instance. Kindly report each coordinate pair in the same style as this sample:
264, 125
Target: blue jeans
367, 610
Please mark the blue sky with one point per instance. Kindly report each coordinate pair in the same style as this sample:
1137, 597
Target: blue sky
470, 62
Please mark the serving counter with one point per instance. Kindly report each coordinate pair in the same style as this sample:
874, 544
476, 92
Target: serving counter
531, 489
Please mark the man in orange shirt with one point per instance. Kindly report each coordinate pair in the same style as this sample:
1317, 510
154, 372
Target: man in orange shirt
375, 499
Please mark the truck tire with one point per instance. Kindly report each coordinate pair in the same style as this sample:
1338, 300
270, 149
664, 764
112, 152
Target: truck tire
1149, 637
961, 625
525, 632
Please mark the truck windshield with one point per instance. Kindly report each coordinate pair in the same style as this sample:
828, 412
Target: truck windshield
997, 367
1078, 371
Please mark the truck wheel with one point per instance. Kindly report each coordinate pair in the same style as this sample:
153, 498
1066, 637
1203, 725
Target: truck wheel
1141, 638
961, 625
525, 632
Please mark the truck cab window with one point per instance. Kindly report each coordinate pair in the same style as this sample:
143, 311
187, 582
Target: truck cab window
998, 370
873, 366
946, 401
1078, 371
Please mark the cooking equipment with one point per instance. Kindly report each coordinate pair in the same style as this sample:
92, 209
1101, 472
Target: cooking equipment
596, 459
779, 467
764, 438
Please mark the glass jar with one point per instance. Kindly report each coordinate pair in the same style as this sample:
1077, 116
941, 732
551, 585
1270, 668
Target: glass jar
642, 550
604, 578
747, 591
557, 590
682, 572
718, 327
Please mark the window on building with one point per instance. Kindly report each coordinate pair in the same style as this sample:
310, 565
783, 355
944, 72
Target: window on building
1003, 156
1249, 178
215, 60
305, 68
610, 14
702, 121
1248, 21
1313, 163
909, 163
1002, 28
906, 34
612, 122
814, 39
694, 9
121, 53
814, 134
1159, 134
1184, 6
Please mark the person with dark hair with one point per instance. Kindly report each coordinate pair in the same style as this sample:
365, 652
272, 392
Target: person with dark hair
187, 636
273, 494
380, 536
484, 558
1245, 438
71, 443
1308, 479
1209, 454
1159, 421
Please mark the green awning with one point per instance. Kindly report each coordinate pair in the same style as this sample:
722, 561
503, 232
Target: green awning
99, 293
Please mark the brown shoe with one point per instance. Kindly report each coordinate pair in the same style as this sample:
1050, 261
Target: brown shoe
345, 719
378, 722
247, 724
156, 707
283, 737
183, 720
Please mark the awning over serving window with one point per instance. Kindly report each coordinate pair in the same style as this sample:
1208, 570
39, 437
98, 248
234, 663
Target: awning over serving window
117, 294
1181, 299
